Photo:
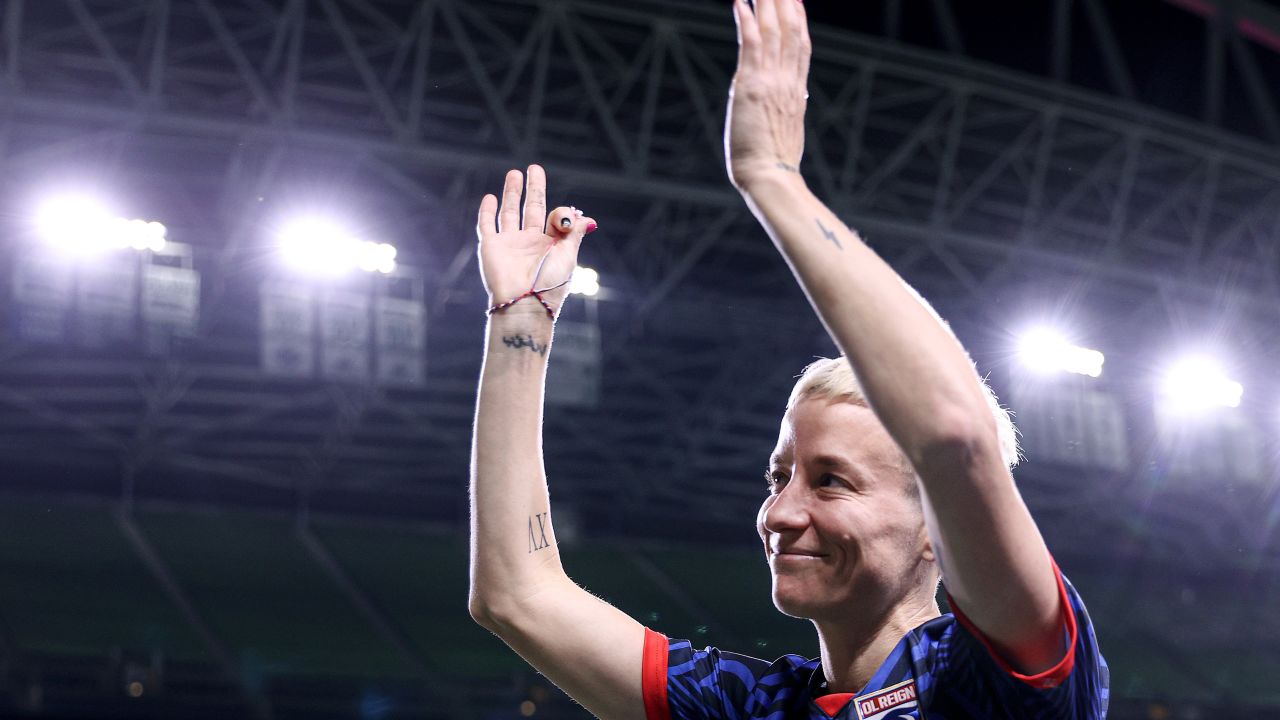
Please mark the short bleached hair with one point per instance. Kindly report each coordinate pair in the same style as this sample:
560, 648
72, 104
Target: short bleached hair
834, 379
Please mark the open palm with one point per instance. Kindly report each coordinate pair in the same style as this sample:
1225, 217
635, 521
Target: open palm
514, 242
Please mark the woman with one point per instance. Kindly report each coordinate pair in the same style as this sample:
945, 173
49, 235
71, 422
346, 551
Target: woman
891, 470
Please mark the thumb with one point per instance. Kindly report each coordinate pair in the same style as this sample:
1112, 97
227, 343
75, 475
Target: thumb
583, 227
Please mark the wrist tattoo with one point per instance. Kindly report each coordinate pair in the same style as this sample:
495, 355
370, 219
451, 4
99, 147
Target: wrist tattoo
517, 342
828, 234
538, 540
788, 167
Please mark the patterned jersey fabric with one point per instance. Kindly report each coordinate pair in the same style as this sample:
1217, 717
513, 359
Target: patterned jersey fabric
942, 670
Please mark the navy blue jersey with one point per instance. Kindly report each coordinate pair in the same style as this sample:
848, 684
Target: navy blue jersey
942, 670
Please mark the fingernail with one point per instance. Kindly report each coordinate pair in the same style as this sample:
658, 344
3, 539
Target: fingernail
592, 227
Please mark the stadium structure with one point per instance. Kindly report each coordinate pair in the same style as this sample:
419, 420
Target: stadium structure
233, 491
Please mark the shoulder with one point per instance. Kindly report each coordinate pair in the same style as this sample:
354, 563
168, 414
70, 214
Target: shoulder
961, 662
709, 677
684, 658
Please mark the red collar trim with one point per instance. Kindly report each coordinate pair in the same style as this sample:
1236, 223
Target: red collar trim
833, 703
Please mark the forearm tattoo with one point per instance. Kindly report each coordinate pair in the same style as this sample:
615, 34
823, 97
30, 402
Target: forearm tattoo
517, 342
538, 537
829, 234
788, 167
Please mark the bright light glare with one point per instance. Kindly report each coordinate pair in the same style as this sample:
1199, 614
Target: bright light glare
72, 223
1045, 352
323, 247
1199, 383
82, 226
585, 282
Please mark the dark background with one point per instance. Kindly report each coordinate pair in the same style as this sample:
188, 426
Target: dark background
180, 526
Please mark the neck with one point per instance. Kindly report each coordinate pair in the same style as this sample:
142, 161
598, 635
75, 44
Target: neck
853, 648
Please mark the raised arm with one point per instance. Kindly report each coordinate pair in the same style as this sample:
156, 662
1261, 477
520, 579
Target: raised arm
917, 378
519, 589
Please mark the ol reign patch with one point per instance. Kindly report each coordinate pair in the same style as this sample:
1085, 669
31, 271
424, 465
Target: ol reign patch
898, 701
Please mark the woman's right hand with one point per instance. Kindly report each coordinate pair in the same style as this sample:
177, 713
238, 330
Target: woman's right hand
513, 243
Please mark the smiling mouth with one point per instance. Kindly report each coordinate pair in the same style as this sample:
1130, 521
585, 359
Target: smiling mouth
797, 555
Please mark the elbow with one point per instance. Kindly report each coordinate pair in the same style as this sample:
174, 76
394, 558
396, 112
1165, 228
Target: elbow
959, 444
492, 615
479, 612
483, 611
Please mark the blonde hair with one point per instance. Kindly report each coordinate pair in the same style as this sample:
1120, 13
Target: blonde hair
833, 379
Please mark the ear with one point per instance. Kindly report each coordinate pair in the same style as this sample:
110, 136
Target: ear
926, 545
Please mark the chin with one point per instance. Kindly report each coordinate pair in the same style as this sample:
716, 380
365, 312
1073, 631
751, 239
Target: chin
794, 601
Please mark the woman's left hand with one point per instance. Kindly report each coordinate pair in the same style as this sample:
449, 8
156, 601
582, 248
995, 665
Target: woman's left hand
765, 129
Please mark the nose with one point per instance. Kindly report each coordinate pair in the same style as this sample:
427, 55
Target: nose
785, 511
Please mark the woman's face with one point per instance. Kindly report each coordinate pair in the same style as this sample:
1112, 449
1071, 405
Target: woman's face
842, 526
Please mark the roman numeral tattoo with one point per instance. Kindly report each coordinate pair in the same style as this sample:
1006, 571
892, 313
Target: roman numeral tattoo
517, 342
829, 234
538, 540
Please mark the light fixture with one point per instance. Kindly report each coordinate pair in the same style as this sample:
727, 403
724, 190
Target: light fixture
1045, 352
81, 225
1199, 383
585, 281
320, 246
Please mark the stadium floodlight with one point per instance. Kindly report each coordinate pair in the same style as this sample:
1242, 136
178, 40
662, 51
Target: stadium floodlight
585, 281
79, 225
1199, 383
1046, 352
72, 223
320, 246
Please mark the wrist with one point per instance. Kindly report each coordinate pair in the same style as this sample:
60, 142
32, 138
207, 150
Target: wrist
533, 320
520, 339
769, 178
546, 303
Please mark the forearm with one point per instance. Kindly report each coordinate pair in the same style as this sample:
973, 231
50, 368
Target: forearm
924, 389
915, 374
513, 546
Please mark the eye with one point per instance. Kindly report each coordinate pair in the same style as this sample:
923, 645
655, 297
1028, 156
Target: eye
829, 480
774, 480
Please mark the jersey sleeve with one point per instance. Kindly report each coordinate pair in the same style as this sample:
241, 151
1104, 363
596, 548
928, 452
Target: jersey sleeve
681, 683
1077, 687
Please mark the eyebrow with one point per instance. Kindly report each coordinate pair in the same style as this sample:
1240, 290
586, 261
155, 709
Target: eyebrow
833, 461
830, 461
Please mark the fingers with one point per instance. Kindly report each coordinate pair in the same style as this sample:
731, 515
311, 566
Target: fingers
570, 223
561, 224
486, 222
509, 217
583, 227
806, 44
749, 41
770, 29
776, 31
563, 221
535, 197
789, 32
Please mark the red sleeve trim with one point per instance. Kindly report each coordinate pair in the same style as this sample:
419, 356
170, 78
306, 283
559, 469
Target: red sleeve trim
1054, 676
653, 676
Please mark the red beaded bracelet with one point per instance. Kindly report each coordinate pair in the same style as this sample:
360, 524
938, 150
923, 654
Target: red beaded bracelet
534, 292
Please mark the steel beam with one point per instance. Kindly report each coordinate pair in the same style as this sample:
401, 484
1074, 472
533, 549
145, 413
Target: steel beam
222, 655
364, 602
